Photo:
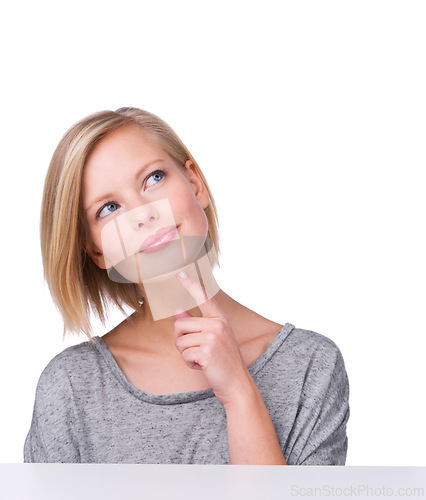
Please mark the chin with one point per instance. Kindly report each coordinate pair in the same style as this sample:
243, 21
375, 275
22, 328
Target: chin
163, 277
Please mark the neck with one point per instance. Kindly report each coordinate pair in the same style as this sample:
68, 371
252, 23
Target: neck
159, 334
164, 294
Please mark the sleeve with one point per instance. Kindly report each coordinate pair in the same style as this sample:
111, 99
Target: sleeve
51, 437
323, 411
34, 447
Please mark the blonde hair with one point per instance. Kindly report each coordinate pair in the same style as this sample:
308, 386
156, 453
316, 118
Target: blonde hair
77, 285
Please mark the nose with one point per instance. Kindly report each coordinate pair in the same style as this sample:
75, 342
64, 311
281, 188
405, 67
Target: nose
144, 215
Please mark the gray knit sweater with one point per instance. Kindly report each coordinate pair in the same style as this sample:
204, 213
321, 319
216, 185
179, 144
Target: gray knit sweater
86, 411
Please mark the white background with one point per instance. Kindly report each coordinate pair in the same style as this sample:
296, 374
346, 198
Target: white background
308, 120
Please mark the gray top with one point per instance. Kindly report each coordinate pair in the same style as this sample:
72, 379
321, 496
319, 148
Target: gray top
86, 410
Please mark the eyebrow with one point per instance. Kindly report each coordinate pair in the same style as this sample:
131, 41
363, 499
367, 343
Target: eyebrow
110, 196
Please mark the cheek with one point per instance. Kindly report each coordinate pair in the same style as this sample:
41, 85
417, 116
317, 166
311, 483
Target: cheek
193, 214
203, 222
110, 244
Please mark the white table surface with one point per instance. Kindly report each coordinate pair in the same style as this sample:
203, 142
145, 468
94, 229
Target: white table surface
128, 482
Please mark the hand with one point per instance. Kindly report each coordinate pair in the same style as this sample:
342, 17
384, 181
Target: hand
209, 344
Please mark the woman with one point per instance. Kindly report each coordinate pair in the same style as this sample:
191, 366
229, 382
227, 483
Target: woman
192, 376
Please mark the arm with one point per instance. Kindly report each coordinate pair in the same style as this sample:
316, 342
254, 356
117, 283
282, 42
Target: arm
252, 439
209, 343
50, 438
320, 427
34, 447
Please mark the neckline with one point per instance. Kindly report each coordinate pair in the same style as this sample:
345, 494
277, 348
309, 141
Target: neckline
184, 397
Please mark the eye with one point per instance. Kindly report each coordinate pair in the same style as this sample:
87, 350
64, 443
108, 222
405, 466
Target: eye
156, 177
107, 209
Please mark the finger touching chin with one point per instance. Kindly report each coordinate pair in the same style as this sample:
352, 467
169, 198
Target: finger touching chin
181, 313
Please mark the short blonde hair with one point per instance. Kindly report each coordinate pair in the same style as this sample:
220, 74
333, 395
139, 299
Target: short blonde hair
77, 285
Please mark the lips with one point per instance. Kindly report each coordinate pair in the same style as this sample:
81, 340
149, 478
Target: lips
159, 239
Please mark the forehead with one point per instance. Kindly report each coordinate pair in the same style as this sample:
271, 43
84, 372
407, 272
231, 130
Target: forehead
123, 145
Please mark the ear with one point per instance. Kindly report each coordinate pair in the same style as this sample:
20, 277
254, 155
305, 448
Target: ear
197, 184
96, 255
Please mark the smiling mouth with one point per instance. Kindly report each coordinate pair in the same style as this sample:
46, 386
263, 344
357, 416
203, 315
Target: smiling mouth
159, 239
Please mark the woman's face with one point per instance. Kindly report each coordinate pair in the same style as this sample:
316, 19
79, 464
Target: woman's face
144, 213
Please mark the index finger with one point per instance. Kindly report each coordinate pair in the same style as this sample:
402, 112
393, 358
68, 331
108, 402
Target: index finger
208, 306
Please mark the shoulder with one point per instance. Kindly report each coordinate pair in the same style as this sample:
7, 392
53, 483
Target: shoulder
55, 425
308, 343
75, 363
310, 358
320, 361
71, 357
309, 338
